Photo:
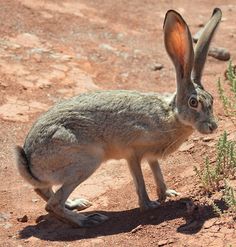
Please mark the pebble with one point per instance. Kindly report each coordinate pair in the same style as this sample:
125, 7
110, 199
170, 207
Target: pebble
23, 219
208, 138
139, 227
7, 225
35, 200
209, 223
186, 146
28, 40
157, 66
31, 240
163, 242
97, 242
107, 47
4, 217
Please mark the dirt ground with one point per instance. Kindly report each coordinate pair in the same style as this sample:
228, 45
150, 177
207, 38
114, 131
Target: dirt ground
50, 50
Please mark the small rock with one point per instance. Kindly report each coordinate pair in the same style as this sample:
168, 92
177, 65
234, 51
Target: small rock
37, 58
164, 224
210, 144
139, 227
31, 240
3, 84
35, 200
227, 230
162, 242
7, 225
27, 40
209, 223
208, 138
157, 66
186, 146
107, 47
23, 219
215, 228
4, 217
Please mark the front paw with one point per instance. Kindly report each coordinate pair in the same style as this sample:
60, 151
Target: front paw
171, 193
167, 193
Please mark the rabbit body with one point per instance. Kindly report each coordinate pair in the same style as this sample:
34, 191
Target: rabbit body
106, 125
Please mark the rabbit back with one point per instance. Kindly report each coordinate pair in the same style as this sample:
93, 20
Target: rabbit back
110, 119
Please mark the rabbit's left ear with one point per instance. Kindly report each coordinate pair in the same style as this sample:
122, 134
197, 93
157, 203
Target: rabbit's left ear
202, 46
178, 43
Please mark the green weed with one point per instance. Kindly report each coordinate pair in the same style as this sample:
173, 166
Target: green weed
215, 176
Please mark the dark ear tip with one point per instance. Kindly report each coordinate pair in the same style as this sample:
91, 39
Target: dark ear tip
174, 13
217, 10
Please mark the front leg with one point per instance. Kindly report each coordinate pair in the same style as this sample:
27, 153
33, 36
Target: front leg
162, 190
144, 202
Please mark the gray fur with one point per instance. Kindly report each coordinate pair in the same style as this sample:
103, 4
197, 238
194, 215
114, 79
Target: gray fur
70, 141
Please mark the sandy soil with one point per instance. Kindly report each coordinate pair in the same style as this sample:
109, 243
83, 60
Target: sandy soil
50, 50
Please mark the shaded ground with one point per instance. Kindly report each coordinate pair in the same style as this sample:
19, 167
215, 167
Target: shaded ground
50, 50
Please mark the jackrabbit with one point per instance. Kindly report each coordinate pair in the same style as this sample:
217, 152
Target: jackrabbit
70, 141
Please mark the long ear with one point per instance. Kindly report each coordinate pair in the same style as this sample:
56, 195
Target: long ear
178, 43
202, 46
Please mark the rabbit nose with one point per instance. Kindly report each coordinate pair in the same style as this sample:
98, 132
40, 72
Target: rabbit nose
212, 126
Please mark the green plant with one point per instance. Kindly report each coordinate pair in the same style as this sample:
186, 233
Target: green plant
229, 196
216, 209
213, 174
228, 97
209, 177
226, 157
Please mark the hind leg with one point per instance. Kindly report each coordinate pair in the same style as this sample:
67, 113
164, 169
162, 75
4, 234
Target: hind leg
45, 193
82, 165
56, 206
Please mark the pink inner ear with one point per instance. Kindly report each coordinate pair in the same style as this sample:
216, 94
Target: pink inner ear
178, 42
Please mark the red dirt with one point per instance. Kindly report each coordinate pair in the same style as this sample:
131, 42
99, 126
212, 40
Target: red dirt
50, 50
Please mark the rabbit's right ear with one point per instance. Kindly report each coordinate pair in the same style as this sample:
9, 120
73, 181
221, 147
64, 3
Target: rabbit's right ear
178, 43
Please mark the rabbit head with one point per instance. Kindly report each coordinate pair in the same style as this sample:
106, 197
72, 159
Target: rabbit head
192, 103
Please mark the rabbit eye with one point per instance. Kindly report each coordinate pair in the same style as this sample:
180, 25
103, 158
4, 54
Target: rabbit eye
193, 102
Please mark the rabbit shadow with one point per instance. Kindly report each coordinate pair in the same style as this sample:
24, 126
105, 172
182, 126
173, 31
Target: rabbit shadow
50, 229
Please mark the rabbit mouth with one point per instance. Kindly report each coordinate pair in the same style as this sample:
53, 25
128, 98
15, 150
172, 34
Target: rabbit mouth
207, 127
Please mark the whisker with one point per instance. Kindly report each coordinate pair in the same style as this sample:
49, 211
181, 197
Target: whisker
169, 146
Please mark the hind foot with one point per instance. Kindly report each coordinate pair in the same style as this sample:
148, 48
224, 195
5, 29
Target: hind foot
79, 204
75, 219
93, 220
